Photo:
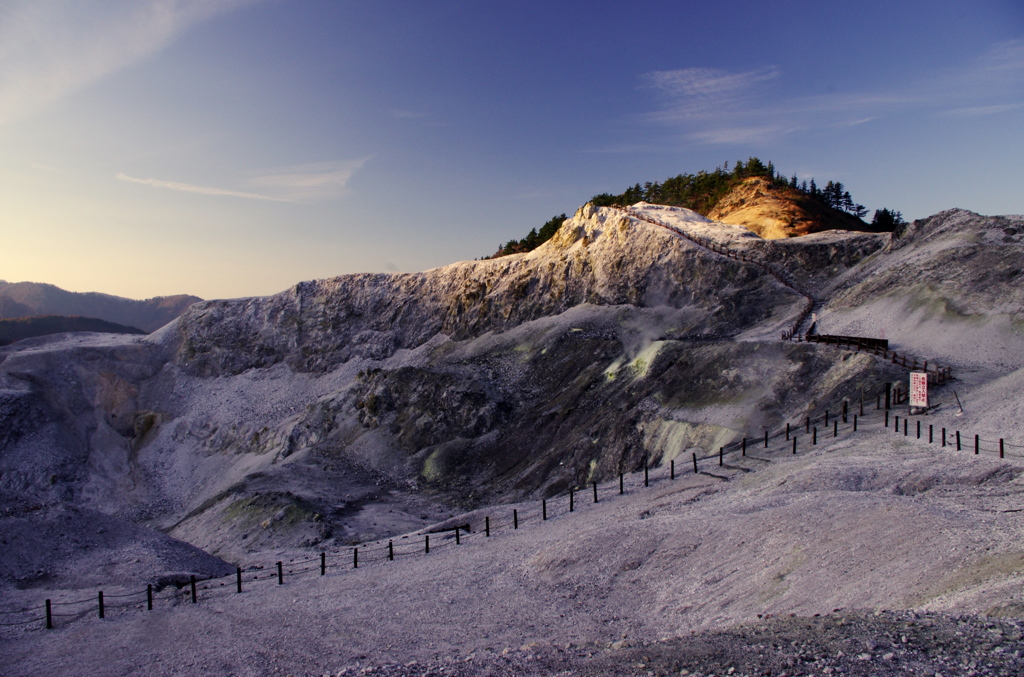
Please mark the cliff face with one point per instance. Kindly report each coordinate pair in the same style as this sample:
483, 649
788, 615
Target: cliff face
775, 212
599, 257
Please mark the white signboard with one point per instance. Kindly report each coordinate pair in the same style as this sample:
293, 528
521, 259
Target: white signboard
918, 389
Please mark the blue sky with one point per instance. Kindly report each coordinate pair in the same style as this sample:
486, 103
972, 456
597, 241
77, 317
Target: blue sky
234, 147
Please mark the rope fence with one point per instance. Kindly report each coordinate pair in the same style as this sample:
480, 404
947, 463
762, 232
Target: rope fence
794, 437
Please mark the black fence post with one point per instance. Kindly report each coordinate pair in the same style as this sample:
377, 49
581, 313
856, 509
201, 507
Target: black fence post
766, 438
905, 426
794, 445
931, 433
855, 423
515, 519
622, 487
570, 499
192, 584
49, 615
695, 463
544, 508
721, 456
391, 551
1000, 447
595, 492
647, 479
896, 423
280, 573
672, 469
355, 558
149, 597
814, 439
457, 541
919, 429
238, 579
323, 563
958, 440
426, 544
487, 526
977, 444
835, 428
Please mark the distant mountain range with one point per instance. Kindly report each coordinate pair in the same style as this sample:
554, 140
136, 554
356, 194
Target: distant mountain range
28, 299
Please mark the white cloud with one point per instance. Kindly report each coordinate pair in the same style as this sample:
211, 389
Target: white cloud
50, 49
192, 188
309, 182
719, 107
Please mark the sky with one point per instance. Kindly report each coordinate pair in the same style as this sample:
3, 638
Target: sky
228, 148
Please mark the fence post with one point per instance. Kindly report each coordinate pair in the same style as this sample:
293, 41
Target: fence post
426, 544
721, 456
101, 603
646, 477
49, 614
487, 526
919, 429
766, 438
744, 447
931, 433
457, 541
544, 508
570, 499
280, 573
814, 439
192, 584
595, 490
794, 445
855, 423
672, 469
355, 558
149, 597
391, 551
323, 563
695, 463
1000, 447
622, 488
977, 444
905, 421
958, 440
896, 423
238, 579
515, 519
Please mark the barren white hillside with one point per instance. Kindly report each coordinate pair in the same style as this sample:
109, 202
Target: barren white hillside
350, 411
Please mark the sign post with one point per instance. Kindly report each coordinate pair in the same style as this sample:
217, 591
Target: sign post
918, 392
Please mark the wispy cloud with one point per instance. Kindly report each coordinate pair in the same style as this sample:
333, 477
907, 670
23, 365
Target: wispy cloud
742, 108
192, 188
51, 49
310, 182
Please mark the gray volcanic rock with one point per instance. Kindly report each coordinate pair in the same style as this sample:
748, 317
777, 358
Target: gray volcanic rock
355, 408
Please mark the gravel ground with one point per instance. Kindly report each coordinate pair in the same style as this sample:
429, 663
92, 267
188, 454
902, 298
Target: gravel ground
841, 643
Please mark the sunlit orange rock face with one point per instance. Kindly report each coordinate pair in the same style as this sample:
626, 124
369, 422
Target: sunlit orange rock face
776, 212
